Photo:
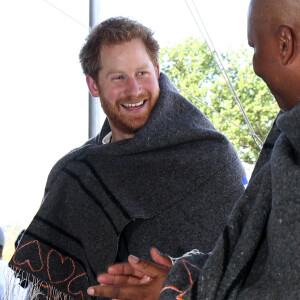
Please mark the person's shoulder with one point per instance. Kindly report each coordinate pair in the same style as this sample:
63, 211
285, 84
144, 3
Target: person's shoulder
70, 157
74, 153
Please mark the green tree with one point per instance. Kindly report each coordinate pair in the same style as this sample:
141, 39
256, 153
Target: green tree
192, 68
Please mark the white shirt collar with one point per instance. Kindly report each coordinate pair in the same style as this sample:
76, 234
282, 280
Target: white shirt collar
107, 139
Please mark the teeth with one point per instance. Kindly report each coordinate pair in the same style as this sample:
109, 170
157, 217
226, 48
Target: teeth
133, 104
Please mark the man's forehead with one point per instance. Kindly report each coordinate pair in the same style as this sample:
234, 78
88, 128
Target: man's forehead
133, 41
118, 55
252, 15
260, 14
265, 9
257, 8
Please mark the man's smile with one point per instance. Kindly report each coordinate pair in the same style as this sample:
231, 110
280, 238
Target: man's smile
134, 105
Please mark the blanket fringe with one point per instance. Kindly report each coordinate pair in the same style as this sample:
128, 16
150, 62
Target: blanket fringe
16, 279
187, 254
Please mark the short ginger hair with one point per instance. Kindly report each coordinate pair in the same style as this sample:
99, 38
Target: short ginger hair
111, 32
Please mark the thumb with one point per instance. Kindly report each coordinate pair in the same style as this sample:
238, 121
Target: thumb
149, 269
160, 258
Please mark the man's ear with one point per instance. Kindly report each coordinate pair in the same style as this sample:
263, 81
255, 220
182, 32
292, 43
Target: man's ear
157, 70
286, 42
92, 86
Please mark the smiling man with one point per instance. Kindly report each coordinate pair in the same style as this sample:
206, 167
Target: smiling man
127, 85
124, 74
258, 254
157, 170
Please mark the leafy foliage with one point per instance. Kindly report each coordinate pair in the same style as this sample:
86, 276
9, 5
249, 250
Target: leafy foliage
192, 68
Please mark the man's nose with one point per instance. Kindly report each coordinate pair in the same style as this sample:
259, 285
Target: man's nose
133, 87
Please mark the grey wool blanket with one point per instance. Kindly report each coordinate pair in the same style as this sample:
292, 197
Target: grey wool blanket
176, 175
258, 254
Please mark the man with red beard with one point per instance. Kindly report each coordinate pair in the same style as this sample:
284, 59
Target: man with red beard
258, 254
157, 170
127, 84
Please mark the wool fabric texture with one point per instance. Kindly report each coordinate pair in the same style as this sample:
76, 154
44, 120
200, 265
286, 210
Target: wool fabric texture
257, 256
176, 175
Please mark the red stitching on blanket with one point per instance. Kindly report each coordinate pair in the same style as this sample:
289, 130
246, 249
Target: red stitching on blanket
182, 293
80, 292
63, 259
27, 261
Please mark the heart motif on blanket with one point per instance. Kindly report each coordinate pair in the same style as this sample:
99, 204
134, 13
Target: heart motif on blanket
29, 253
77, 284
59, 268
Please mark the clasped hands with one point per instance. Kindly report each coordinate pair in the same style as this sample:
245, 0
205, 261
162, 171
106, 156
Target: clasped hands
137, 279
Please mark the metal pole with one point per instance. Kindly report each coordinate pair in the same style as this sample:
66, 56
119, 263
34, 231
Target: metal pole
95, 110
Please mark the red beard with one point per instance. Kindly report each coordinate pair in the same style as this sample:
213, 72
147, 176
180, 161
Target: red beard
121, 118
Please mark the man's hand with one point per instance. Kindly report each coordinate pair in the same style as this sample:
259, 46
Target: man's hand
138, 279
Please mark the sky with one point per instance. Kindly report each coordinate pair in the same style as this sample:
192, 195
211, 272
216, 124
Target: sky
44, 98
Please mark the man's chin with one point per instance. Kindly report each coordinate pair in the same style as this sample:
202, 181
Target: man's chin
133, 128
130, 127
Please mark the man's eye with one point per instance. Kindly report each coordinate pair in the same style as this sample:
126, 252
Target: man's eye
142, 73
118, 77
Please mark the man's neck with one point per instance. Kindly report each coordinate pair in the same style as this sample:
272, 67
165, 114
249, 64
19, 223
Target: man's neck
118, 136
